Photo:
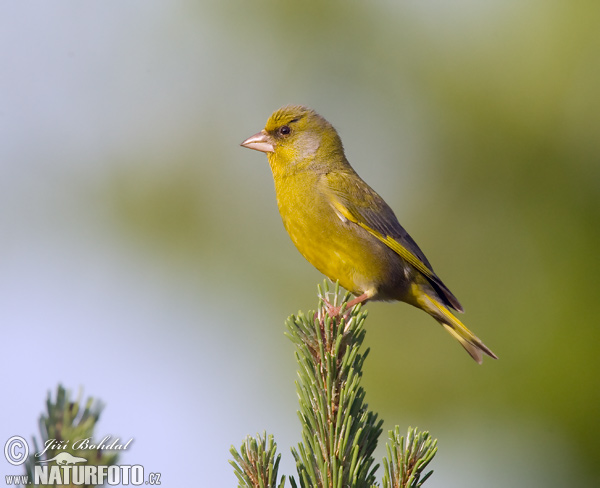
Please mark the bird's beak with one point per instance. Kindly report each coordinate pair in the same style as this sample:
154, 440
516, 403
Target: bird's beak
259, 142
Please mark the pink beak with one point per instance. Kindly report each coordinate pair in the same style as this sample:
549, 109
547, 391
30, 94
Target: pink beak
259, 142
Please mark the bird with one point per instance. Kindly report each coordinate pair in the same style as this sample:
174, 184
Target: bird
344, 228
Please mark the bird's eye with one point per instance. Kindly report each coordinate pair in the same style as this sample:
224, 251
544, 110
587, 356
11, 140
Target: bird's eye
284, 130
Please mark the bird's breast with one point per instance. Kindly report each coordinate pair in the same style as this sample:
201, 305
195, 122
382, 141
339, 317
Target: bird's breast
338, 248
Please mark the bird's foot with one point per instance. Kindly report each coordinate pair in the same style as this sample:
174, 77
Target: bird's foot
336, 312
333, 312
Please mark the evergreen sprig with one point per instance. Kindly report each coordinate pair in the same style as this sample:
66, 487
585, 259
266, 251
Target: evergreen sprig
66, 422
406, 461
256, 465
339, 432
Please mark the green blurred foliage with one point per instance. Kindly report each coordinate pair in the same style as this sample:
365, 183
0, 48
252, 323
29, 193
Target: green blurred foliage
500, 185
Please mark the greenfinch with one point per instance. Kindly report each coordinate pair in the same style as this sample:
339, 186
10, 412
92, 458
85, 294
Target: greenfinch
344, 228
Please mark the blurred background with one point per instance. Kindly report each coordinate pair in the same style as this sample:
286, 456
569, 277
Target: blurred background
142, 257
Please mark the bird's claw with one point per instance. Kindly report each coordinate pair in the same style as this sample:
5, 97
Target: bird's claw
335, 312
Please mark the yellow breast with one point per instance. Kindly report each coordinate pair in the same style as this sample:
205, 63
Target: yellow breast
337, 248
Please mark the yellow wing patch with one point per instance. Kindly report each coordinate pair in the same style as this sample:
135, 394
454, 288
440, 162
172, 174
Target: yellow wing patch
394, 245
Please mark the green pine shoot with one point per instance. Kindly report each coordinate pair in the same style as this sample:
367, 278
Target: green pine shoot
339, 432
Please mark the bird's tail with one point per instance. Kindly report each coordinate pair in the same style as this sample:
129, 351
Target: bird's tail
455, 327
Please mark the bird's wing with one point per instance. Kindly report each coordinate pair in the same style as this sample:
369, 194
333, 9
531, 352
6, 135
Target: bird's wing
352, 199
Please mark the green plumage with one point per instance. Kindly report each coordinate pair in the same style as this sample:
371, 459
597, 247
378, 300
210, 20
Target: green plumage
343, 227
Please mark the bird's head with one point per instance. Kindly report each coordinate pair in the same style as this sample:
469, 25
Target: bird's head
297, 136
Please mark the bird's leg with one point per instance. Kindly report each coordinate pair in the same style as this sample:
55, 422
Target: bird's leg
335, 311
360, 299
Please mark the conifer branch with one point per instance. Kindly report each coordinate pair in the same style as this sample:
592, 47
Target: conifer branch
256, 465
339, 432
406, 461
65, 423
